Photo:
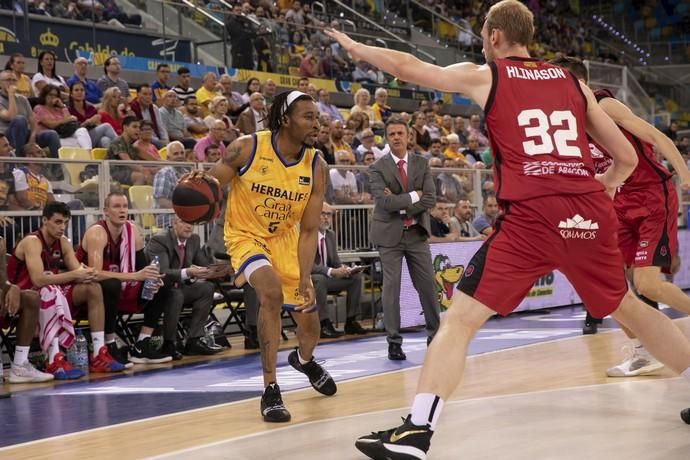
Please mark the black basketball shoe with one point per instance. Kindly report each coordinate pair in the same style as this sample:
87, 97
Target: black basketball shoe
406, 442
685, 415
319, 378
272, 408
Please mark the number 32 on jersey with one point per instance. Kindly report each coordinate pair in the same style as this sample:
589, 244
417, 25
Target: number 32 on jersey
537, 125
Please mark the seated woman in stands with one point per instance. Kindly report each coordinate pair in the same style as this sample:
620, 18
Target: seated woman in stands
51, 113
102, 134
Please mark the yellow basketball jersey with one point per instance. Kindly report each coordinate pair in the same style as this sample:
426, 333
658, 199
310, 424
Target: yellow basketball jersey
268, 195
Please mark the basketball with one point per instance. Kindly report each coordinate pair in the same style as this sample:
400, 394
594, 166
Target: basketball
196, 199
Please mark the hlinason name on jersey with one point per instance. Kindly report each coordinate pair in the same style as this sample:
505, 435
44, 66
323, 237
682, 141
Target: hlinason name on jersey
276, 192
548, 73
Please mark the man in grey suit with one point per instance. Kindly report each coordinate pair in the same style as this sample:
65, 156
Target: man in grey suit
185, 266
329, 275
403, 190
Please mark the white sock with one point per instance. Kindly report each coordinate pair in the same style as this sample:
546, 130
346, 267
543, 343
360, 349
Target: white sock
302, 360
21, 355
686, 374
636, 343
426, 409
109, 338
53, 350
98, 342
142, 336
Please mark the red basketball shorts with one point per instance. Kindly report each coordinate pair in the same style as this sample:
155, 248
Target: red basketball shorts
576, 234
648, 225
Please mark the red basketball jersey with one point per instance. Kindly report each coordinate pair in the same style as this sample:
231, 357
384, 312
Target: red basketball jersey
52, 258
111, 252
649, 170
536, 119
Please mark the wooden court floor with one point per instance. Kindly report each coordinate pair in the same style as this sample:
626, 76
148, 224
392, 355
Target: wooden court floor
568, 369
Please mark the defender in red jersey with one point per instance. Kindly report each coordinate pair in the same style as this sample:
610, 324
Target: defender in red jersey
20, 306
647, 209
555, 212
115, 249
37, 262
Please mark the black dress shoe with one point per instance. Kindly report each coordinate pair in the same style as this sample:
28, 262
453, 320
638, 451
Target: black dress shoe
196, 346
590, 327
251, 342
170, 348
395, 352
353, 327
330, 333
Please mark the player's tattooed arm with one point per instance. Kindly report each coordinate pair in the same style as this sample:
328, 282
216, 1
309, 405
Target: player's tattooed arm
236, 155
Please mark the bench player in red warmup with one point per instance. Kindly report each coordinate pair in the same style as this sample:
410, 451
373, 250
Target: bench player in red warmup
556, 213
647, 209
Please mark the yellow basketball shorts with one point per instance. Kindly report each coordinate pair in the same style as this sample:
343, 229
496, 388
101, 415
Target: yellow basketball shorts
280, 251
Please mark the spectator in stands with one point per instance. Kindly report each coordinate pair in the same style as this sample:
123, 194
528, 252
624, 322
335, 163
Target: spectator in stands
329, 67
303, 84
112, 11
165, 180
440, 220
192, 121
253, 86
309, 65
32, 189
17, 120
368, 145
236, 103
476, 131
422, 139
362, 176
672, 131
485, 221
173, 120
209, 89
16, 64
241, 33
362, 98
380, 108
215, 136
472, 153
362, 73
447, 187
160, 87
112, 109
46, 75
343, 180
431, 126
218, 108
93, 94
183, 89
337, 142
146, 150
461, 223
436, 107
212, 153
269, 92
312, 91
453, 152
52, 114
325, 106
459, 129
324, 145
144, 109
187, 273
122, 148
111, 77
295, 15
102, 134
28, 258
329, 275
436, 150
254, 118
349, 137
446, 125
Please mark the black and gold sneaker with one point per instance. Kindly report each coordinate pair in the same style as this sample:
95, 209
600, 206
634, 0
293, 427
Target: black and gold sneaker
406, 442
319, 378
272, 408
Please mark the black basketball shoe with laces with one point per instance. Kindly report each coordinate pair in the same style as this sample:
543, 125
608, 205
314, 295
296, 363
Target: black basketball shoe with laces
685, 415
272, 408
319, 378
406, 442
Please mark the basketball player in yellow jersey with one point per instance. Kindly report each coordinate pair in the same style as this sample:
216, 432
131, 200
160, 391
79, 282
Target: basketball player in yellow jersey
274, 207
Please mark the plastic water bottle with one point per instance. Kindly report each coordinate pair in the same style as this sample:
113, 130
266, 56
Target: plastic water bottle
149, 289
81, 352
379, 325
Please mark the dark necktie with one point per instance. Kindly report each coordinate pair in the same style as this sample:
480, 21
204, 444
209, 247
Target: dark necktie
407, 221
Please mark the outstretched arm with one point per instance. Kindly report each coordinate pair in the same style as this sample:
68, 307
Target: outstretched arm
467, 78
625, 118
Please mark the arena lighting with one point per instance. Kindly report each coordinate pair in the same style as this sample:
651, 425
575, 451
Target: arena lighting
619, 35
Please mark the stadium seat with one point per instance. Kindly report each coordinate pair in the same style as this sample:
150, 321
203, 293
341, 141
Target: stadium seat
141, 197
163, 152
73, 169
99, 153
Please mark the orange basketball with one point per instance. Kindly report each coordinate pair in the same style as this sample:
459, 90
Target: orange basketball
197, 200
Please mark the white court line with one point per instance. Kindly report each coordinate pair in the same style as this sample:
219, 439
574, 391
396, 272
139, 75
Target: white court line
383, 411
217, 406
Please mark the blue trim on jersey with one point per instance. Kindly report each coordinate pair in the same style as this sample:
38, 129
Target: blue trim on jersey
282, 160
249, 260
244, 168
313, 169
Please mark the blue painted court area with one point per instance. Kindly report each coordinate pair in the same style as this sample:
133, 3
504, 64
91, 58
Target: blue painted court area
79, 406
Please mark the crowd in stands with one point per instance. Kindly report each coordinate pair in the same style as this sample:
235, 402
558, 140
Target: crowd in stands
79, 10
